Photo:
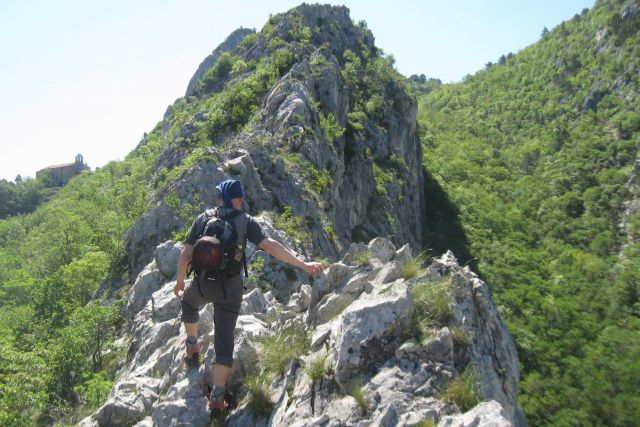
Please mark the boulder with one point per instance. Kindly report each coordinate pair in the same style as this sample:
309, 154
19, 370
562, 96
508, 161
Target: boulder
373, 316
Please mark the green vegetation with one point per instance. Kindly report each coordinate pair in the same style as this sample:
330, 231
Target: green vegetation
427, 423
461, 337
277, 350
331, 129
56, 340
412, 267
462, 390
527, 166
432, 302
21, 196
216, 75
362, 258
318, 367
259, 403
293, 225
357, 392
383, 177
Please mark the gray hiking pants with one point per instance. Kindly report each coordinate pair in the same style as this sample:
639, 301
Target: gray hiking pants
226, 296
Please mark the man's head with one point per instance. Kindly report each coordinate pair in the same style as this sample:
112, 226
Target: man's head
230, 190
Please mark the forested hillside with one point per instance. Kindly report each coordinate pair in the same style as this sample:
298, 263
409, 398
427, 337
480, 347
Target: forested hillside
532, 179
55, 341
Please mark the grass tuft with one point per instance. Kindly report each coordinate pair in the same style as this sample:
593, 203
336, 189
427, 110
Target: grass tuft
318, 367
428, 422
462, 390
413, 267
277, 350
461, 337
432, 301
357, 392
362, 259
259, 403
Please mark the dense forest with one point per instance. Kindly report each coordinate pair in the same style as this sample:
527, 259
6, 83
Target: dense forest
535, 157
530, 165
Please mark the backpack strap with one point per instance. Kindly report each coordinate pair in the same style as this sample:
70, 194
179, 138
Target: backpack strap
240, 220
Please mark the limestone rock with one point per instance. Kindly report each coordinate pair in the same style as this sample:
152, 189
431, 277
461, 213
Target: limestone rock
486, 414
167, 256
373, 316
254, 302
148, 282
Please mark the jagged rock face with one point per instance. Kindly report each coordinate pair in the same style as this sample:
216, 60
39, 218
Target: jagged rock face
372, 171
363, 341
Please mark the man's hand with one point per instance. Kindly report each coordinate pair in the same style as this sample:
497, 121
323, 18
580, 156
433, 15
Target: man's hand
313, 267
178, 289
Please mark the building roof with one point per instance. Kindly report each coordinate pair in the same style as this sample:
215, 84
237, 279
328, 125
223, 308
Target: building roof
62, 165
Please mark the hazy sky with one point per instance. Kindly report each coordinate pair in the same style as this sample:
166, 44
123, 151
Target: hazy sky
91, 77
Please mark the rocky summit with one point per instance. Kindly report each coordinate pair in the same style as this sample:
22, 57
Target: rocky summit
358, 318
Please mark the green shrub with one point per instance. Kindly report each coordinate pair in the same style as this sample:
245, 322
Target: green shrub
320, 181
216, 74
331, 129
249, 40
462, 390
293, 225
427, 423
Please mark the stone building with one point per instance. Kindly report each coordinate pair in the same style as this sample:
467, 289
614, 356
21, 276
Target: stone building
61, 174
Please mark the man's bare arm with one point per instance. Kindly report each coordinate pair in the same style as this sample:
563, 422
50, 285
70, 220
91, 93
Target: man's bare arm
183, 264
281, 253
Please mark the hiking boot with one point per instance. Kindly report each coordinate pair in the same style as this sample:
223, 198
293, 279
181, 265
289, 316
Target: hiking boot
192, 354
219, 404
217, 401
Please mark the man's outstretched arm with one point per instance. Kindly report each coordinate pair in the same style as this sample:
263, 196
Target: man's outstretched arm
281, 253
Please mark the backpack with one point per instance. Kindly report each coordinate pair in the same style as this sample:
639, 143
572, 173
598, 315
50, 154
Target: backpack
225, 231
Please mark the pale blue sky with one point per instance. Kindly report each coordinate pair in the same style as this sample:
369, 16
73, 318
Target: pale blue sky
91, 77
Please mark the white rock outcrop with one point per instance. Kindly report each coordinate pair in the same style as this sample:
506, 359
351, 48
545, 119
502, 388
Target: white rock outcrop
356, 318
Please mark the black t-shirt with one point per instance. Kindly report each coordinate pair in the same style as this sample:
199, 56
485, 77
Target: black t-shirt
255, 233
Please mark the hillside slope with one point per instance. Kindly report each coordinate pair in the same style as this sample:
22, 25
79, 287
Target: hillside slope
538, 155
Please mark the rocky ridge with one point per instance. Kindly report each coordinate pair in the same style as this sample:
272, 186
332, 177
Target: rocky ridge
356, 314
333, 139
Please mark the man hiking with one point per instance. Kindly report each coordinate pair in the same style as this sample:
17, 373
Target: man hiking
225, 288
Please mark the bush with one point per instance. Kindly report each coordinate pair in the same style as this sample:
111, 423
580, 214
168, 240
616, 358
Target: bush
293, 225
331, 129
